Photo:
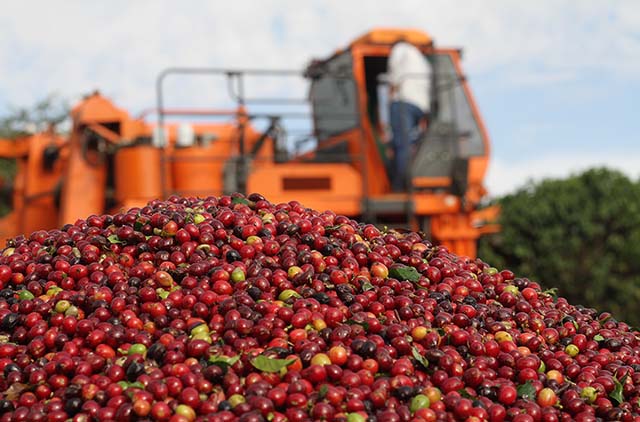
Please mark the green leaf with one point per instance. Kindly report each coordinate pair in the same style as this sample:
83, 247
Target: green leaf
598, 337
366, 286
327, 228
136, 384
421, 359
267, 364
238, 200
114, 239
404, 273
607, 318
25, 295
465, 394
527, 391
324, 389
126, 385
223, 361
617, 393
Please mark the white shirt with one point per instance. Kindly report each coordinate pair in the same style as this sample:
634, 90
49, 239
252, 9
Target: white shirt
410, 73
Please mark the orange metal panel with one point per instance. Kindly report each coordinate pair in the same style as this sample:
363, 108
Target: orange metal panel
33, 185
488, 214
486, 219
477, 169
19, 186
39, 197
132, 129
198, 171
489, 229
341, 194
8, 227
104, 133
14, 148
435, 203
431, 182
391, 35
455, 232
95, 109
84, 187
137, 173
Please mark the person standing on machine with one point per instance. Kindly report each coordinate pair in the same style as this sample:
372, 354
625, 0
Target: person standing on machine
409, 77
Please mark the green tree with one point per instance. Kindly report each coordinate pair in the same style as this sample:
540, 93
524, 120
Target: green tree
581, 235
21, 121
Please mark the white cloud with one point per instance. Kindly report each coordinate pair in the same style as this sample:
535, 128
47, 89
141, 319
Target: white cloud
505, 176
120, 46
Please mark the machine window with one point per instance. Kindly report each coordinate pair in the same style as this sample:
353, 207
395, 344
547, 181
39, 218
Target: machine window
333, 96
453, 107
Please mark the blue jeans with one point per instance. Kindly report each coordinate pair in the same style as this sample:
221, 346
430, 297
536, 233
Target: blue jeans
404, 118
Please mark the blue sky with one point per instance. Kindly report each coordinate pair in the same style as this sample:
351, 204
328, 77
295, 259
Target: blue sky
557, 81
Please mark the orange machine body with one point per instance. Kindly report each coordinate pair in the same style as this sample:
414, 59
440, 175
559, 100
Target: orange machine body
112, 161
35, 185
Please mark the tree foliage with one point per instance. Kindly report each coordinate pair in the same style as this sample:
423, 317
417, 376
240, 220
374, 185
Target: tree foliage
21, 121
581, 235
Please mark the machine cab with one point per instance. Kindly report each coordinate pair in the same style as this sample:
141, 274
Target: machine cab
350, 105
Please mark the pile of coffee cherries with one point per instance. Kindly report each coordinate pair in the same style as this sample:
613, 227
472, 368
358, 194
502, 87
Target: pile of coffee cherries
234, 308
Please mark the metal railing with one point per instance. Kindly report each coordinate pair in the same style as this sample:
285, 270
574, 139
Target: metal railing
243, 113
